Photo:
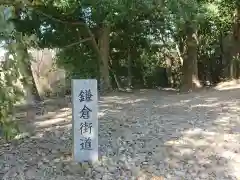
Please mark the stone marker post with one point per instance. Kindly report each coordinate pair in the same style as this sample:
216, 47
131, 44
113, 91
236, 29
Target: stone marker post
85, 120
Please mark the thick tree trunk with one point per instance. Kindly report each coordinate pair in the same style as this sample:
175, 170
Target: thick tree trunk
196, 82
104, 52
190, 71
233, 66
227, 46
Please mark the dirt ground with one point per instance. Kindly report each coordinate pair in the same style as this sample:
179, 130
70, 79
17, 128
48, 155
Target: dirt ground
142, 135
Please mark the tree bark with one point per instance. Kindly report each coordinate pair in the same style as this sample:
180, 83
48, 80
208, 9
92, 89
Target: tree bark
169, 64
101, 48
32, 93
222, 60
227, 46
190, 71
21, 50
129, 58
116, 79
233, 65
103, 42
32, 84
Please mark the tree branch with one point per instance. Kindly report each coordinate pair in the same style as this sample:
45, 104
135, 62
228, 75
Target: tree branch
81, 41
29, 5
179, 53
83, 23
8, 3
58, 20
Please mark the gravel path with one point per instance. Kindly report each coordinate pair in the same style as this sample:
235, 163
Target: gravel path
141, 136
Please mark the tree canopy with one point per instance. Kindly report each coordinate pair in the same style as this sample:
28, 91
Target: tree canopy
183, 44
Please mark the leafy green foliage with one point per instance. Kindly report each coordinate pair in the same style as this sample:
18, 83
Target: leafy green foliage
12, 71
147, 37
10, 94
78, 62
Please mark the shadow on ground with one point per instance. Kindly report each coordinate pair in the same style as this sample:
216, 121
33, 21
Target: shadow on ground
145, 134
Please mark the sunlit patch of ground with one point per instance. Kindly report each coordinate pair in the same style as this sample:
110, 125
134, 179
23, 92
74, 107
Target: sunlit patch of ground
228, 85
143, 135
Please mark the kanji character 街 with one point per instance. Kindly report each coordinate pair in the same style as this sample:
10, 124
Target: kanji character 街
85, 127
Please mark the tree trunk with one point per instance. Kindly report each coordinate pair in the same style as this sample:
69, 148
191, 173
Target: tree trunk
169, 64
227, 46
129, 68
190, 71
196, 82
32, 84
29, 84
233, 65
222, 59
237, 69
103, 42
112, 69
